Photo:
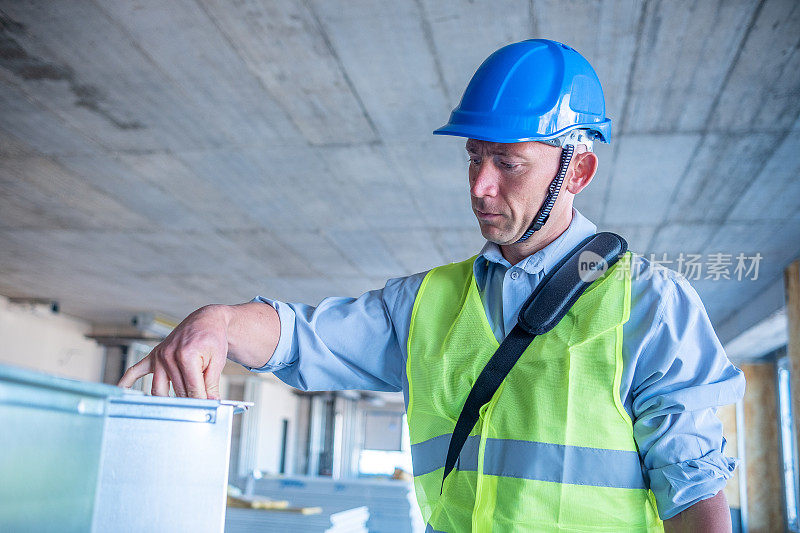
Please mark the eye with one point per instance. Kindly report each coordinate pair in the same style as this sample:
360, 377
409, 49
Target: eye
473, 160
507, 166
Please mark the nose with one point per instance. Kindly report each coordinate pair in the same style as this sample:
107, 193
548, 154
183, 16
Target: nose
483, 178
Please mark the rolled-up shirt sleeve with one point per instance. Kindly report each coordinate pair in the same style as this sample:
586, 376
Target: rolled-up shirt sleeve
342, 343
682, 376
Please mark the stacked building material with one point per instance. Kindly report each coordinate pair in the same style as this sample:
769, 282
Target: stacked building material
391, 503
240, 520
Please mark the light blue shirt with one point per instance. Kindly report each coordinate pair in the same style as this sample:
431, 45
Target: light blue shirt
675, 372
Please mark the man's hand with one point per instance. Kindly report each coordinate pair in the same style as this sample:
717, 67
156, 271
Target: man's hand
193, 355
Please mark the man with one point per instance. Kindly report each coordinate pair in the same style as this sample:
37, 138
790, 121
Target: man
606, 423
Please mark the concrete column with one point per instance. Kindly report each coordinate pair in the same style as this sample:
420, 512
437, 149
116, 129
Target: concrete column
764, 511
792, 284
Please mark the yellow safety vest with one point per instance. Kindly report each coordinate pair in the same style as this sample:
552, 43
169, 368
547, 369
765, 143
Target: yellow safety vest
553, 450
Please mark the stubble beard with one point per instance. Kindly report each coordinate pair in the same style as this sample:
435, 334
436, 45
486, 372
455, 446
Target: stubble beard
500, 235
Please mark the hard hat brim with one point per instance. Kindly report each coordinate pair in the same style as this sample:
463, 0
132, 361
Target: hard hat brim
482, 133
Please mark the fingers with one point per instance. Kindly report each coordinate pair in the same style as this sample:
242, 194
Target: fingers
191, 367
140, 369
211, 378
160, 380
184, 370
174, 374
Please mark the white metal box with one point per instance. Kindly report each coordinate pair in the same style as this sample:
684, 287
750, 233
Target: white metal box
84, 457
51, 439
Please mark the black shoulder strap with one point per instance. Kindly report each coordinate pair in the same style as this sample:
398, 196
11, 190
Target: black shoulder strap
546, 306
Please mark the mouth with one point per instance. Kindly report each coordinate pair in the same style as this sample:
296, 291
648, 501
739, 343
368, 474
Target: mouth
486, 216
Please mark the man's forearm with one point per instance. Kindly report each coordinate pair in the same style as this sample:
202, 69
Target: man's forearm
711, 515
253, 332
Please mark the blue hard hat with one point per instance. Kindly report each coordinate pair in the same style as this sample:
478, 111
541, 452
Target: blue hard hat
532, 90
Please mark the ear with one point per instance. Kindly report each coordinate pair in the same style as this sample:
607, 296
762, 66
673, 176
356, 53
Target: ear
583, 168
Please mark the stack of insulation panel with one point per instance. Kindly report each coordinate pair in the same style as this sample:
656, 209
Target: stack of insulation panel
391, 503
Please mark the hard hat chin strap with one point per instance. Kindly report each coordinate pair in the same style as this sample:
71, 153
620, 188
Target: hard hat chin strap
552, 193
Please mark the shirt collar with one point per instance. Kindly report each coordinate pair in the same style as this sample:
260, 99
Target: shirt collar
579, 228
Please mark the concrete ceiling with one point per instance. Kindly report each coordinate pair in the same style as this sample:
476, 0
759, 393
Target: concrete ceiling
157, 156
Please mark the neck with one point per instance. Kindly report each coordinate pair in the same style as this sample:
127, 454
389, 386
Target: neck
514, 253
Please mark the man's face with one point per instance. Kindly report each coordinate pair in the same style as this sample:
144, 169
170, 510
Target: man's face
508, 183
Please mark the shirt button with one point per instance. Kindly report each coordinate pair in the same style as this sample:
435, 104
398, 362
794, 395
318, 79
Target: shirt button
514, 275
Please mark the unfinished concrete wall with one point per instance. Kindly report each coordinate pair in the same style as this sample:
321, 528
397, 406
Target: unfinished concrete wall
262, 431
764, 488
276, 403
35, 338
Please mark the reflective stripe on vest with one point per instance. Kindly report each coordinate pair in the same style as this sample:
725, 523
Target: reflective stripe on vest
557, 463
553, 450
